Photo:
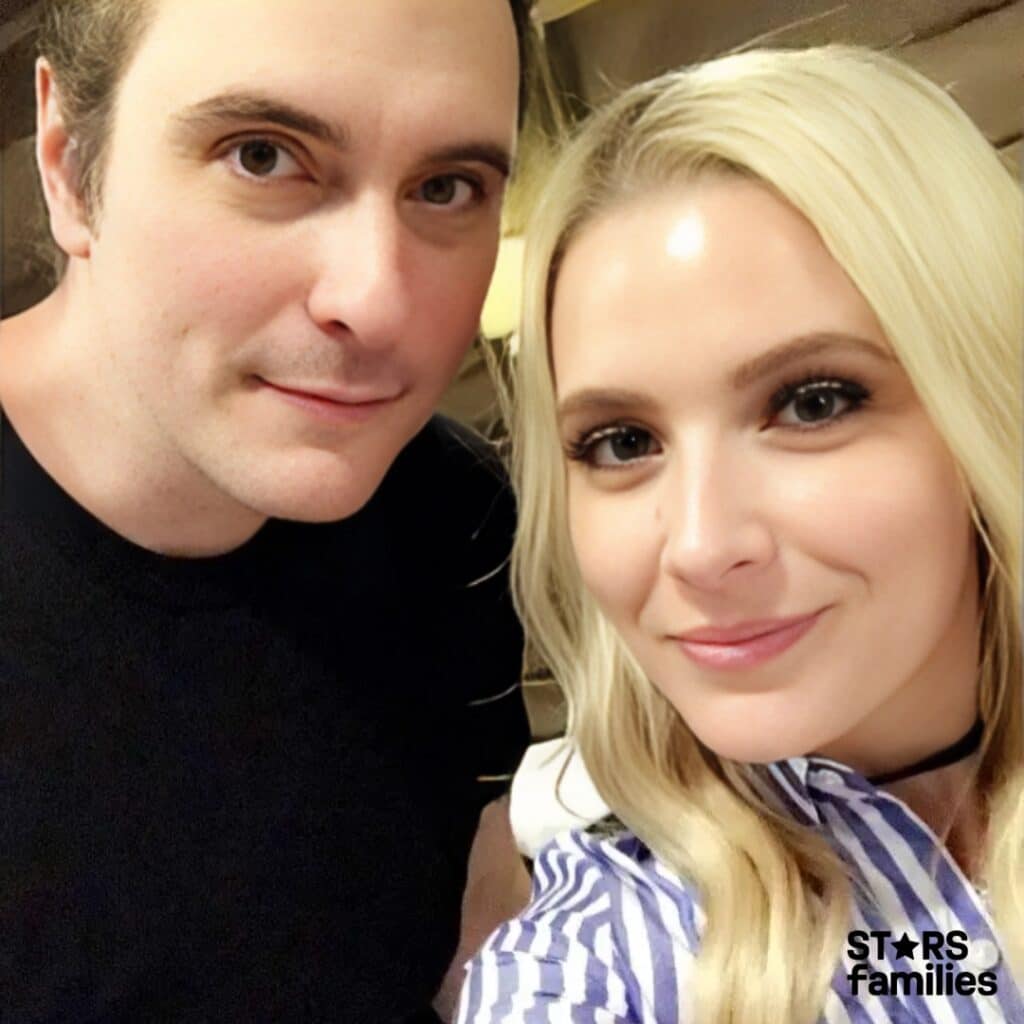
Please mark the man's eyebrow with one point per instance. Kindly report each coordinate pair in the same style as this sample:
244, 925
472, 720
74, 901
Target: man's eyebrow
253, 106
237, 105
801, 347
489, 153
604, 401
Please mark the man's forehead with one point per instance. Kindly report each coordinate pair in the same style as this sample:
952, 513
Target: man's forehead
339, 60
269, 34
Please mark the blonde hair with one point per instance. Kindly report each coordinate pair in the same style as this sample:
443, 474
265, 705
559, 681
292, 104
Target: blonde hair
916, 207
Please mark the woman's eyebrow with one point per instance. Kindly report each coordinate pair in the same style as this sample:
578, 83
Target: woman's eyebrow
617, 401
800, 348
606, 401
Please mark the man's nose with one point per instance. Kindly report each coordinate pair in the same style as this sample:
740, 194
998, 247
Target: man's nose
716, 531
364, 285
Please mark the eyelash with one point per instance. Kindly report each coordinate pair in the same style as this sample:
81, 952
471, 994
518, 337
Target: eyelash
478, 187
854, 393
583, 447
235, 145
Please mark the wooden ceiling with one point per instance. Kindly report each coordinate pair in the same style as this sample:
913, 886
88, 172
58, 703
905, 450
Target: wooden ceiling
975, 48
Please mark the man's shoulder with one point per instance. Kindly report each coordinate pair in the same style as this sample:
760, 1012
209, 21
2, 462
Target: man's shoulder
444, 511
449, 482
448, 453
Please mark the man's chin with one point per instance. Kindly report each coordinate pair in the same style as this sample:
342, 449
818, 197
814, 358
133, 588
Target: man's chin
319, 503
322, 490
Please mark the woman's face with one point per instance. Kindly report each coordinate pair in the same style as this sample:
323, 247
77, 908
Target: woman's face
757, 499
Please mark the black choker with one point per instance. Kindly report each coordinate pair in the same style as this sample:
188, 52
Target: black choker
967, 744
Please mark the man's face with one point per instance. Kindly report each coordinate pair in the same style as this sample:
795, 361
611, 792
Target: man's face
299, 222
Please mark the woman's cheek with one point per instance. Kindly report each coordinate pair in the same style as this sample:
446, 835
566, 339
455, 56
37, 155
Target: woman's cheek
615, 550
875, 509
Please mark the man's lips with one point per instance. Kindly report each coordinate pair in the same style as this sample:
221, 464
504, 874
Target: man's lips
745, 644
334, 405
339, 396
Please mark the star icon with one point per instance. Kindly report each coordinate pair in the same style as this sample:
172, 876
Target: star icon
904, 947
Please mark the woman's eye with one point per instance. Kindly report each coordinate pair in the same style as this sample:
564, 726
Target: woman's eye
448, 190
816, 403
261, 158
615, 446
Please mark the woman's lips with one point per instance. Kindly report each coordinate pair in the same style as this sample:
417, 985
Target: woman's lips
744, 645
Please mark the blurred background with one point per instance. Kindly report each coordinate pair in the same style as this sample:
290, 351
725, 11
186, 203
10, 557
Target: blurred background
973, 48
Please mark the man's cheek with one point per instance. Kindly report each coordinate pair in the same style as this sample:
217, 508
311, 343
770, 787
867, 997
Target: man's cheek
454, 294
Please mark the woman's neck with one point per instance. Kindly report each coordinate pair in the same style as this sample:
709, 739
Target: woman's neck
949, 802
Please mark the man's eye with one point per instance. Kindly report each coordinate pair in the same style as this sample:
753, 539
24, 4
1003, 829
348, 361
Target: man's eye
261, 158
449, 190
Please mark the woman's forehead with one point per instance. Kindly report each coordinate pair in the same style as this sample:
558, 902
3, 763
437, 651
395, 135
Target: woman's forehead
715, 275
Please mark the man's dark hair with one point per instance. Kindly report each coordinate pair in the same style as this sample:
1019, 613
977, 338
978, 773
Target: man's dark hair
89, 44
527, 50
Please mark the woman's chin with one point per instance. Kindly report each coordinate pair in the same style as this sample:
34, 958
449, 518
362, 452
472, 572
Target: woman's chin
746, 746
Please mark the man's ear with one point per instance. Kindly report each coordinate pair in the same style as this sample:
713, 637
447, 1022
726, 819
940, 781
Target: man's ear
56, 156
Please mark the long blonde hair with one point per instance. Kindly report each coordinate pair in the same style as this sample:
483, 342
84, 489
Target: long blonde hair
916, 207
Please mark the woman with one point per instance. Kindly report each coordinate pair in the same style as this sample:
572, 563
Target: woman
769, 468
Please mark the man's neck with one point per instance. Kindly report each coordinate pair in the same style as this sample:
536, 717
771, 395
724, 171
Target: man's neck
95, 444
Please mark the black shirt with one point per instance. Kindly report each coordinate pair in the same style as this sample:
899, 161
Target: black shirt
243, 788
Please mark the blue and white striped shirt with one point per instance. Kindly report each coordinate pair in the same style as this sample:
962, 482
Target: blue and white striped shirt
611, 933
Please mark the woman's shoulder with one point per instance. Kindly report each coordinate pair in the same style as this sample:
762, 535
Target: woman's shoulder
607, 869
609, 934
605, 852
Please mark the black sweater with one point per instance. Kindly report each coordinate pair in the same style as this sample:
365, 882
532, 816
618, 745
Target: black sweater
243, 788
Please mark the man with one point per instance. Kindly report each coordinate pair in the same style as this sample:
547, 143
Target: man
256, 643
